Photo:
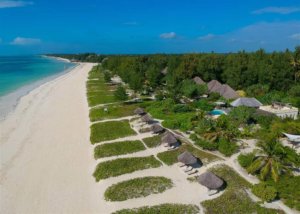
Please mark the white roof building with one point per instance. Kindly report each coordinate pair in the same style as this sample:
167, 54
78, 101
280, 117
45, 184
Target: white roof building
281, 110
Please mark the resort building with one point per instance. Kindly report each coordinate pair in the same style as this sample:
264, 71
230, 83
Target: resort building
223, 89
245, 101
198, 81
281, 110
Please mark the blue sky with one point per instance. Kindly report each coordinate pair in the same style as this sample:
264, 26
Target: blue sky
147, 26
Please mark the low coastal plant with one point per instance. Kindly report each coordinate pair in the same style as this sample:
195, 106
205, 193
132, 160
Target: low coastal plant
118, 148
137, 187
122, 166
110, 130
265, 192
152, 142
163, 209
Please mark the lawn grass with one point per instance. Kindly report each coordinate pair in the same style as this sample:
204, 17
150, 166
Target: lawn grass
110, 130
122, 166
118, 148
162, 209
114, 111
152, 142
234, 199
137, 187
170, 157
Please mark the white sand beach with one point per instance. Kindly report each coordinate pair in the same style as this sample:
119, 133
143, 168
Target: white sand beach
46, 158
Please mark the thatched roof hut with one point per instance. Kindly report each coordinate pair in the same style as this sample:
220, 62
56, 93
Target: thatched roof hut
210, 180
227, 92
198, 81
147, 119
187, 158
169, 138
214, 86
157, 128
245, 101
164, 71
139, 111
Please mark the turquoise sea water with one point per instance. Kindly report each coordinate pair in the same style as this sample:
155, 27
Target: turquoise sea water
18, 71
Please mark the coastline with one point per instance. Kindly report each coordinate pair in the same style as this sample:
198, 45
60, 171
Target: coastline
9, 101
46, 158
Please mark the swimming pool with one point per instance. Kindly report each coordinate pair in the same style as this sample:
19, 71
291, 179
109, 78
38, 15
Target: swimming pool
217, 112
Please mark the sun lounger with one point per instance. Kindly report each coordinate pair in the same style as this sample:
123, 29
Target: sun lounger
212, 192
181, 164
192, 172
189, 168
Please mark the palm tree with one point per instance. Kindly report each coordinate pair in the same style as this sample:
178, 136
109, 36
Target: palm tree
296, 65
269, 162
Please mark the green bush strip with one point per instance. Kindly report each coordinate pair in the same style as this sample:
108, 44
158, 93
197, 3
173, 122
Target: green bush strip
122, 166
113, 111
152, 142
162, 209
110, 130
118, 148
137, 187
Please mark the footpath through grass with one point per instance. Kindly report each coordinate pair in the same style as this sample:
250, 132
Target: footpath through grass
122, 166
234, 199
170, 157
118, 148
113, 111
137, 187
162, 209
110, 130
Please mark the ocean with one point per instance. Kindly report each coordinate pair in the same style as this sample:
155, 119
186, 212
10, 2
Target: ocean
20, 74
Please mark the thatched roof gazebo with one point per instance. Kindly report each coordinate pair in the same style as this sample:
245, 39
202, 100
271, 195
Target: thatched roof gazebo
147, 119
164, 71
157, 129
169, 139
198, 81
210, 180
139, 111
245, 101
214, 86
187, 158
227, 92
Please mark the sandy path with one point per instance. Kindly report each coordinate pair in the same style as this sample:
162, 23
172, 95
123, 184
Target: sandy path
46, 158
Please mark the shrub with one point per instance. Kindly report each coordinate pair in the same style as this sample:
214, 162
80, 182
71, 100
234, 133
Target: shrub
265, 192
110, 130
152, 142
163, 209
245, 160
206, 144
203, 105
107, 76
137, 187
122, 166
118, 148
120, 93
227, 148
181, 108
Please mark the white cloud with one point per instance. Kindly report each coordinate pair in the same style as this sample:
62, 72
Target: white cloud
278, 10
9, 4
295, 36
170, 35
207, 37
25, 41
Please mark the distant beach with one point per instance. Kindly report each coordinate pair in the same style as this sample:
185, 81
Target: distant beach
21, 74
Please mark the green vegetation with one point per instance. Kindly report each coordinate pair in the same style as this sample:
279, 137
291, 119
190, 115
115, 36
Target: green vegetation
170, 157
152, 142
234, 199
162, 209
122, 166
113, 111
245, 160
98, 92
137, 187
288, 190
265, 192
120, 93
118, 148
110, 130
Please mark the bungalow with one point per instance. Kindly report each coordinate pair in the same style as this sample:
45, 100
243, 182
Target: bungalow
198, 81
210, 180
245, 101
281, 110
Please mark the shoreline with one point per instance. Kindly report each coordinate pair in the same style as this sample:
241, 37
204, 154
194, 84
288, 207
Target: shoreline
9, 101
46, 157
